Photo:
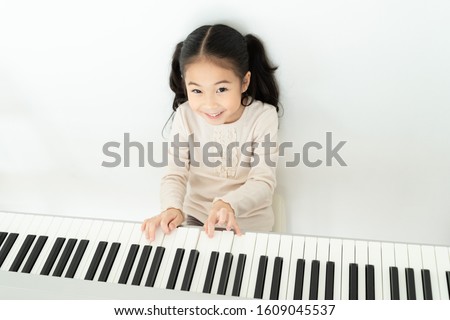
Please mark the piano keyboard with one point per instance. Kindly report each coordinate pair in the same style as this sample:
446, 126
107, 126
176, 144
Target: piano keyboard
40, 255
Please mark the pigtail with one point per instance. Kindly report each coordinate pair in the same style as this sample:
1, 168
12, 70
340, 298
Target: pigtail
176, 79
263, 85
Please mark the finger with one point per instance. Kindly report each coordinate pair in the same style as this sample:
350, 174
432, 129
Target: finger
151, 226
210, 223
165, 224
176, 222
237, 230
232, 224
223, 214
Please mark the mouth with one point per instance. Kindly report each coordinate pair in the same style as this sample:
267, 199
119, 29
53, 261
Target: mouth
213, 115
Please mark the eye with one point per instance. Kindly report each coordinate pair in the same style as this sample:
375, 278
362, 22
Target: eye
222, 89
196, 91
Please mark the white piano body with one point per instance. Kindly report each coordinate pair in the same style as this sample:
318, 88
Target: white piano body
55, 257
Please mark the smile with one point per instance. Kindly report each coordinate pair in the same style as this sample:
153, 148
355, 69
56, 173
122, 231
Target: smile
214, 115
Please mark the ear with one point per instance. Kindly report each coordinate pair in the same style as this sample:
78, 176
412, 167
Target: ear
246, 81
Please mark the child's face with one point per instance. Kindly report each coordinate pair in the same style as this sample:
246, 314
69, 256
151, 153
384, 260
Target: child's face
214, 92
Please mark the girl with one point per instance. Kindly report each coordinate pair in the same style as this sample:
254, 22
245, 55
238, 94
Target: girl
223, 152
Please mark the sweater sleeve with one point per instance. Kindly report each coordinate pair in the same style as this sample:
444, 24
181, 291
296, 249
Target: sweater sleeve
257, 192
174, 180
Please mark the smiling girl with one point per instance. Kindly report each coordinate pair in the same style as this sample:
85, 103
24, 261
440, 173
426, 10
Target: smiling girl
225, 105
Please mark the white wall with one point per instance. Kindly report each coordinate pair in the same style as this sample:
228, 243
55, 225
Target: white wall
75, 75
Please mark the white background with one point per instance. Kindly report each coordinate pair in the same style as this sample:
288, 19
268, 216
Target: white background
77, 74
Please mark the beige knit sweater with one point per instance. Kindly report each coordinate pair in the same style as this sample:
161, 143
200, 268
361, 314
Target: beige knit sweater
215, 165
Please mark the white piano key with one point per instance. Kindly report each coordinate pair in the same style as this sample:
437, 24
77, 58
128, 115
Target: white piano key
429, 262
273, 246
179, 238
336, 257
8, 220
260, 250
249, 249
348, 256
361, 258
415, 262
2, 216
113, 236
202, 247
226, 243
212, 244
237, 248
33, 229
309, 255
81, 234
51, 234
285, 253
443, 265
41, 229
135, 237
120, 233
21, 228
91, 236
102, 235
401, 262
124, 238
375, 260
190, 244
159, 238
72, 230
60, 232
298, 249
388, 260
323, 251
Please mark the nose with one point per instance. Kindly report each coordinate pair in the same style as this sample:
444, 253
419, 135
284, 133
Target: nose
211, 102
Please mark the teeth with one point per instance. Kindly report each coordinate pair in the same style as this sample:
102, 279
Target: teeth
214, 114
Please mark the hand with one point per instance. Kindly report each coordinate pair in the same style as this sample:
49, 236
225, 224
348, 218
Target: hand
167, 220
222, 214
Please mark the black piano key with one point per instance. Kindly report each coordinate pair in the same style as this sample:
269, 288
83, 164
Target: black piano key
353, 289
314, 283
395, 289
276, 278
210, 272
37, 249
73, 267
141, 265
175, 270
93, 266
48, 265
447, 275
225, 274
131, 257
370, 282
410, 284
190, 269
329, 281
59, 269
110, 258
239, 275
2, 237
7, 246
261, 277
299, 279
29, 239
154, 268
426, 283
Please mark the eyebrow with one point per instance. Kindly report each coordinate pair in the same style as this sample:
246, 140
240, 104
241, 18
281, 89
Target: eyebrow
196, 84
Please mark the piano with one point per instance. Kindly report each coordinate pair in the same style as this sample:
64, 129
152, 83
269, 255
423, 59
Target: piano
57, 257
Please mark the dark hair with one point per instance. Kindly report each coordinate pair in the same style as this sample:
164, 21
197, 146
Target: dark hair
226, 46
